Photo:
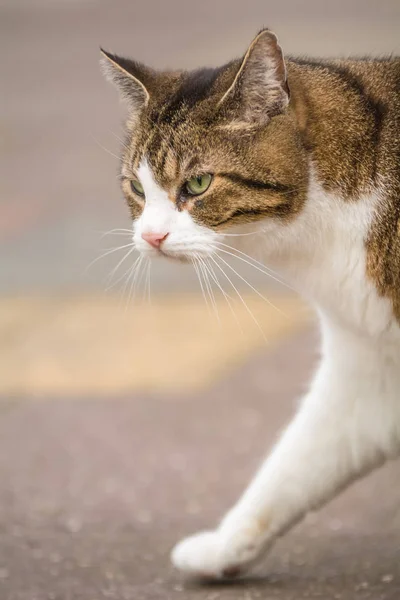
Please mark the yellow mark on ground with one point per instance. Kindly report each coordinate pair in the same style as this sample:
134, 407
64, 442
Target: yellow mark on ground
93, 345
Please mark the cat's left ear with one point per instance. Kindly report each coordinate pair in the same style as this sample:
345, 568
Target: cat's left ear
133, 80
260, 89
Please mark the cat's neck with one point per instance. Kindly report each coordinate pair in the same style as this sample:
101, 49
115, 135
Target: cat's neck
322, 255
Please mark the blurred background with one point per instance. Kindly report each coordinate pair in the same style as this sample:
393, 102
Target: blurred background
117, 378
60, 123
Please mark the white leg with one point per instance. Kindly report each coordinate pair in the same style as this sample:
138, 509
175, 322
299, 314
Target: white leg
348, 424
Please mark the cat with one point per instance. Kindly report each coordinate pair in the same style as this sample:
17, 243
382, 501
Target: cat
302, 159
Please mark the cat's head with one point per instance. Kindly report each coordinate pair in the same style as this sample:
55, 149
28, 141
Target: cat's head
208, 150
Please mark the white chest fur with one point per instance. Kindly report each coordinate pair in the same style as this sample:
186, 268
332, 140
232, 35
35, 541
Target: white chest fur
323, 254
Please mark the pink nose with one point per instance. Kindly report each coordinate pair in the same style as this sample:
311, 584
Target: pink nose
154, 239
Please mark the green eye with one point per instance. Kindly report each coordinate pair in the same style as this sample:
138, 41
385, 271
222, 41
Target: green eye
137, 187
199, 184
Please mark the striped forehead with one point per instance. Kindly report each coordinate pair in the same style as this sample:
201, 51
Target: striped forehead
172, 155
159, 151
172, 128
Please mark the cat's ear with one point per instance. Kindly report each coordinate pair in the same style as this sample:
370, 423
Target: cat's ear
259, 89
133, 80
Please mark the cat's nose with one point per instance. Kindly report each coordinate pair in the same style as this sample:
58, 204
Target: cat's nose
154, 239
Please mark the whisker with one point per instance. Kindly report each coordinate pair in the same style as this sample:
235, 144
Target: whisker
214, 277
111, 251
206, 288
224, 293
116, 232
249, 257
149, 282
209, 287
258, 266
240, 297
130, 272
124, 144
240, 234
141, 279
132, 288
146, 280
197, 270
252, 287
115, 269
105, 149
116, 282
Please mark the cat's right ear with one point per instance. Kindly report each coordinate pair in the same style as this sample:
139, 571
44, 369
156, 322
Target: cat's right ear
132, 79
259, 90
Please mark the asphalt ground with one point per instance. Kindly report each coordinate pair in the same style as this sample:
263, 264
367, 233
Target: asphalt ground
94, 494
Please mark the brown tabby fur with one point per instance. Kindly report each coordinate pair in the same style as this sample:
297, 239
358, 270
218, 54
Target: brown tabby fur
344, 115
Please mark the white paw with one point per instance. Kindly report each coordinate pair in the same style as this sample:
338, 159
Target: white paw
199, 555
223, 553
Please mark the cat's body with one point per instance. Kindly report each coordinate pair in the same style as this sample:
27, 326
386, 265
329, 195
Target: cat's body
317, 175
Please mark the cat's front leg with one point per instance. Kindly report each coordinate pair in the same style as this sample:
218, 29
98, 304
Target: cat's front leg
344, 428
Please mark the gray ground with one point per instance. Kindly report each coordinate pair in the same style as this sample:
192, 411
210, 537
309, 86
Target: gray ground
93, 494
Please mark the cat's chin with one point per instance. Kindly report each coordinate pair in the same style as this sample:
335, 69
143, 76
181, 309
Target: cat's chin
161, 254
175, 257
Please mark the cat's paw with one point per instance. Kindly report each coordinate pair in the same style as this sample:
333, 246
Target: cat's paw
218, 554
199, 555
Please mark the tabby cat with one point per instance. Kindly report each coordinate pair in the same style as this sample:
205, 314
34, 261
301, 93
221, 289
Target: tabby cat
306, 154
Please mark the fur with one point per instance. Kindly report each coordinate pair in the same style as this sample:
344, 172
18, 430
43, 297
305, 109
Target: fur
306, 154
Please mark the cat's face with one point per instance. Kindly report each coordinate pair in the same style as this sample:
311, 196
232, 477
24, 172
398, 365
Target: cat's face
209, 150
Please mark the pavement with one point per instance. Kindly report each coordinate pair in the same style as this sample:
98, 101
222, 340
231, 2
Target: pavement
124, 427
94, 494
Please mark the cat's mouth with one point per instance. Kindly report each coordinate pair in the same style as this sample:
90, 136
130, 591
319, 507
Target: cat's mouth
177, 251
182, 246
174, 256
